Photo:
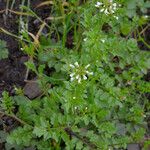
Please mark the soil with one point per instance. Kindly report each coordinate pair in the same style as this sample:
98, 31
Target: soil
13, 70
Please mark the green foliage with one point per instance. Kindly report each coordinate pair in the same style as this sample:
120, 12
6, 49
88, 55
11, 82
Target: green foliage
97, 87
3, 50
7, 104
21, 136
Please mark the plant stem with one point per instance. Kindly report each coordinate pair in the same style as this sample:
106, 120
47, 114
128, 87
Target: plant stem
14, 117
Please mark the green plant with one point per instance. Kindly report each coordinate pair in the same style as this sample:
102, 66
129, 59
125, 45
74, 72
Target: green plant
3, 50
96, 95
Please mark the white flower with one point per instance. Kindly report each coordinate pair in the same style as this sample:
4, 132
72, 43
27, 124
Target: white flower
74, 97
84, 77
115, 5
79, 73
79, 80
98, 4
116, 17
112, 11
72, 74
102, 10
110, 1
106, 12
111, 8
146, 16
72, 66
77, 77
89, 73
87, 66
103, 40
75, 107
76, 64
85, 39
72, 79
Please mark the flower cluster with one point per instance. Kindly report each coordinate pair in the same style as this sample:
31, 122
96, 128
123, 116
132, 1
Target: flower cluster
110, 9
98, 4
79, 72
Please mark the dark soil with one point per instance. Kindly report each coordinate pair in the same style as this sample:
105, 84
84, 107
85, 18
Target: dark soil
12, 70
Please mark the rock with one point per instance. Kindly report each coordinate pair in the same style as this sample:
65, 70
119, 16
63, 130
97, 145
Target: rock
32, 89
24, 59
133, 147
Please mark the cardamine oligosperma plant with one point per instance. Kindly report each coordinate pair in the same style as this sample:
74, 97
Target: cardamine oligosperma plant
96, 100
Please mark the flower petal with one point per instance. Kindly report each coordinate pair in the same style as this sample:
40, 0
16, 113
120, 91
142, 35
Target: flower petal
84, 77
72, 74
76, 64
87, 66
72, 66
79, 80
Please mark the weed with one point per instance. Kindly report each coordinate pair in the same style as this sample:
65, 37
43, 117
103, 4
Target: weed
97, 87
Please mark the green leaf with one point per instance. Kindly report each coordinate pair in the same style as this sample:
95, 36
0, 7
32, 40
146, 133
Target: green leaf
126, 29
31, 66
79, 145
20, 136
3, 50
7, 103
